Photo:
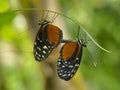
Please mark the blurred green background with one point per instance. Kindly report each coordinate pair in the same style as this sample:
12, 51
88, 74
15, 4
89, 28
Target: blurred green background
19, 70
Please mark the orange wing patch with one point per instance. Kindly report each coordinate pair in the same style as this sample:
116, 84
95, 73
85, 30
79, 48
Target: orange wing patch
69, 49
54, 34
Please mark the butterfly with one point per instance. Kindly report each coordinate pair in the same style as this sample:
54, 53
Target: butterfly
48, 37
70, 58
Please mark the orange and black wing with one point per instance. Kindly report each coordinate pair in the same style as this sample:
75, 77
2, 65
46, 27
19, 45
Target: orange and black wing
48, 37
69, 60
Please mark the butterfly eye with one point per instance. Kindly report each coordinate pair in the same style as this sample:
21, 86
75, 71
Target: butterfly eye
47, 38
69, 60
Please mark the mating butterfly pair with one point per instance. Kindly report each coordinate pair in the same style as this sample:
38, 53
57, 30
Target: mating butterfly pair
50, 36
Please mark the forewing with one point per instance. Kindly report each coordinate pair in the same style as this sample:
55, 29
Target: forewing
67, 68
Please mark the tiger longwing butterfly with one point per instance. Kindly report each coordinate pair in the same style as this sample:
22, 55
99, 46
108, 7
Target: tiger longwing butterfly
70, 58
48, 37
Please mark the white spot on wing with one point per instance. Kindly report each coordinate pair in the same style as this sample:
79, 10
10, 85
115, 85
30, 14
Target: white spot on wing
38, 38
38, 58
45, 47
44, 52
36, 53
64, 75
77, 65
59, 63
71, 66
38, 48
43, 56
39, 55
69, 74
63, 66
77, 58
35, 43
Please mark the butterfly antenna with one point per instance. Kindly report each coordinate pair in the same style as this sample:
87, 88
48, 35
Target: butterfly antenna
78, 32
46, 15
42, 15
54, 16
